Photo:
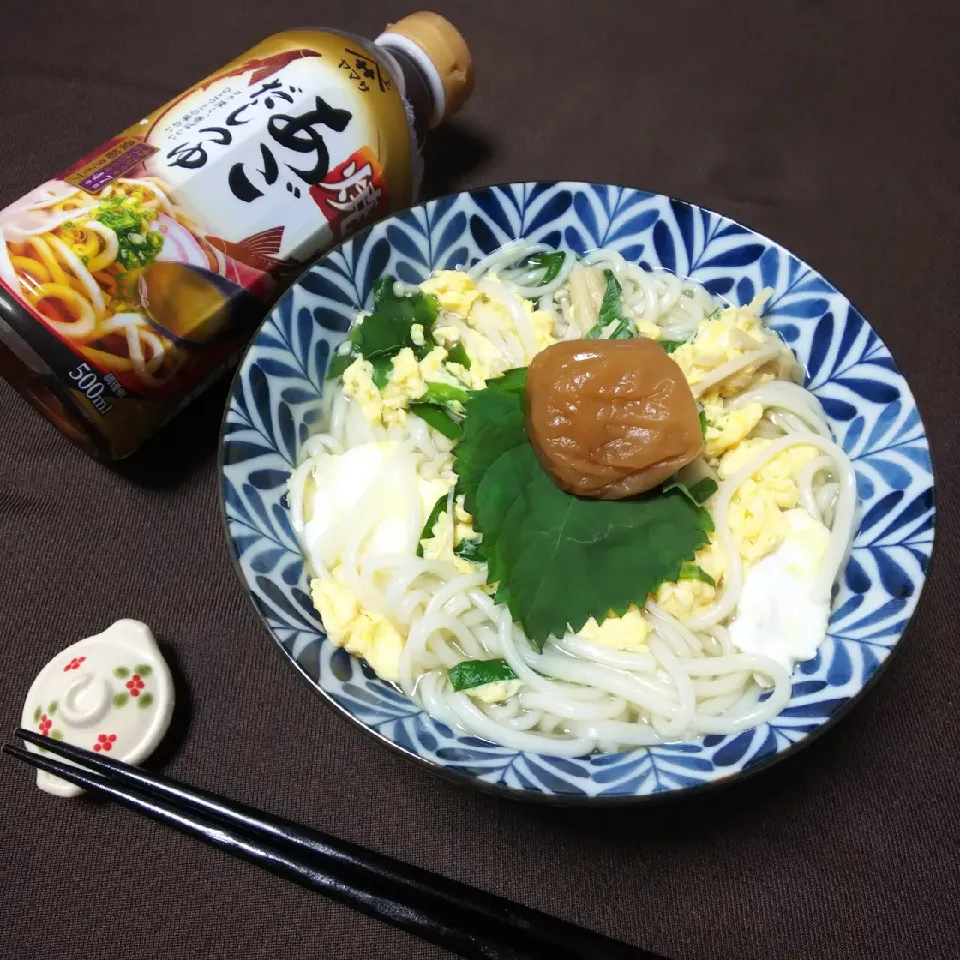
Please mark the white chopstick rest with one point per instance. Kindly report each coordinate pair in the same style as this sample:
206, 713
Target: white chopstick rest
111, 693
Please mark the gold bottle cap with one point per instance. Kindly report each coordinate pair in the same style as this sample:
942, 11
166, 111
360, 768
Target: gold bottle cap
444, 46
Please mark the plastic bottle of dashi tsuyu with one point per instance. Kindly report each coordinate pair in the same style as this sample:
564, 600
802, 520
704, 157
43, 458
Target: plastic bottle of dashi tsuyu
134, 278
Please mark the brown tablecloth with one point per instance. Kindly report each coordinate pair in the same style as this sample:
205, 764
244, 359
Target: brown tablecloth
830, 126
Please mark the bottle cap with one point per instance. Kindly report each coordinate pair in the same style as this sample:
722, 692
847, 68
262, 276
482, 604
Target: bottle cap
447, 51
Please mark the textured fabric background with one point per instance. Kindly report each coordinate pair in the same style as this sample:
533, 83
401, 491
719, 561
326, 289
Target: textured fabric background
830, 126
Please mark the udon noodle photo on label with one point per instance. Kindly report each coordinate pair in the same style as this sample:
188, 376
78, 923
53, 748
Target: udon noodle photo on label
569, 505
93, 268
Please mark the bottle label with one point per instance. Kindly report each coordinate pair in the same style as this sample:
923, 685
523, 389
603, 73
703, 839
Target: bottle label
142, 268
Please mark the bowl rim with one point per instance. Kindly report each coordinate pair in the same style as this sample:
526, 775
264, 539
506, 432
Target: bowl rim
454, 774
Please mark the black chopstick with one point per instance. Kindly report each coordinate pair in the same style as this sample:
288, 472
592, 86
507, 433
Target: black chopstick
467, 921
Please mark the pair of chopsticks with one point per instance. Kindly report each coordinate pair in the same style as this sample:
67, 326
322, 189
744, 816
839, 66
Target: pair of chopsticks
460, 918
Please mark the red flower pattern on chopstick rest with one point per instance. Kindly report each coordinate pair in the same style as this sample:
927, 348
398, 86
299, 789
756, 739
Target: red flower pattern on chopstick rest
135, 685
44, 720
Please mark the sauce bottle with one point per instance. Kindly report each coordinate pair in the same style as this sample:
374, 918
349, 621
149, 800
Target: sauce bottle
135, 277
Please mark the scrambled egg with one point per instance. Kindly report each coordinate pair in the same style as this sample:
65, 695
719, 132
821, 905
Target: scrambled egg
440, 545
358, 385
495, 692
646, 328
628, 632
686, 598
407, 383
758, 514
762, 515
456, 290
734, 332
726, 428
458, 294
358, 631
757, 510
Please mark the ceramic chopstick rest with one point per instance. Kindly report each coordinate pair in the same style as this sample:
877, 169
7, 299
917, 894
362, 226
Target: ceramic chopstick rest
111, 693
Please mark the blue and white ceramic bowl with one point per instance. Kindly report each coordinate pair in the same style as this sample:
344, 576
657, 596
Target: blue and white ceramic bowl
274, 406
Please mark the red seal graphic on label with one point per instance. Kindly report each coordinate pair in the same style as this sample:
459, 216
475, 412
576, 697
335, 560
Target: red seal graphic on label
353, 193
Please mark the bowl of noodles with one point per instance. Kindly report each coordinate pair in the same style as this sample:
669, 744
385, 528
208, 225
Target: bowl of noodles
554, 618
